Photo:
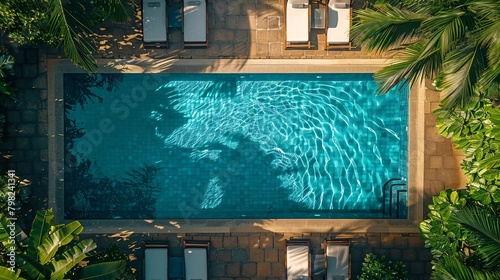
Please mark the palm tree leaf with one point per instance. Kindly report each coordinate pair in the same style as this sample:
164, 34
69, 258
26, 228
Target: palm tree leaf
58, 238
411, 66
39, 231
484, 229
385, 28
453, 269
448, 28
463, 68
75, 41
70, 258
103, 271
491, 75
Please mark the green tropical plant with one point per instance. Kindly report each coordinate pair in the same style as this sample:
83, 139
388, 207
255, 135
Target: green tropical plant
15, 192
473, 251
61, 23
475, 130
51, 251
375, 268
463, 226
456, 43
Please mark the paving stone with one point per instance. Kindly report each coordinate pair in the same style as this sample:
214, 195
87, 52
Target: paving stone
416, 241
40, 167
31, 55
30, 70
217, 269
254, 241
395, 254
409, 255
417, 268
264, 269
256, 255
230, 242
22, 143
249, 269
239, 255
357, 254
24, 169
32, 155
220, 8
224, 255
13, 116
424, 255
277, 269
233, 269
271, 255
266, 242
401, 242
216, 242
29, 116
26, 129
387, 241
243, 241
39, 142
42, 129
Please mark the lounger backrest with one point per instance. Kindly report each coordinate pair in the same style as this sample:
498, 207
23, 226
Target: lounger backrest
156, 263
298, 261
195, 21
337, 260
196, 261
154, 21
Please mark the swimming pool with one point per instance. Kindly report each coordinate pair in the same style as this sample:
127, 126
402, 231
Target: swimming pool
231, 146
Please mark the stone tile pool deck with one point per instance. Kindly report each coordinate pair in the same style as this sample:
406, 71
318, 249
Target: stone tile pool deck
240, 29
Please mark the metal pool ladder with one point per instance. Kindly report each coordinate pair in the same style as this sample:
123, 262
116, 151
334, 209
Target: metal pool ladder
397, 187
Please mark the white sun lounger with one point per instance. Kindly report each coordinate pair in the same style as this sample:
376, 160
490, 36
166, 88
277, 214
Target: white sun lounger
298, 259
155, 23
195, 25
297, 23
337, 260
196, 259
338, 18
156, 261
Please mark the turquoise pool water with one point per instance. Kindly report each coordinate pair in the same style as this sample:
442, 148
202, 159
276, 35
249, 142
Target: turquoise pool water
232, 146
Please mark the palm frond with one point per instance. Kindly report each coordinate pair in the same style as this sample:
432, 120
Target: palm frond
120, 10
484, 229
463, 68
75, 42
448, 28
411, 66
385, 28
451, 268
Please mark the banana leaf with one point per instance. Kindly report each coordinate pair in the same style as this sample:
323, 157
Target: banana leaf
70, 258
103, 271
56, 239
31, 266
6, 274
39, 231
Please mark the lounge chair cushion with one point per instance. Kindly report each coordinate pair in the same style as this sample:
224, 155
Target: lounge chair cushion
297, 264
196, 263
156, 263
337, 257
195, 21
297, 22
154, 21
339, 24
